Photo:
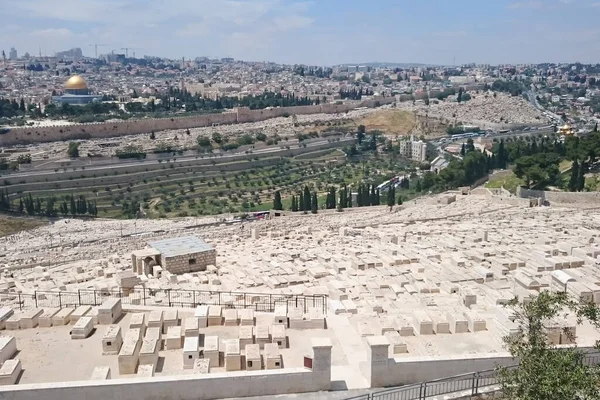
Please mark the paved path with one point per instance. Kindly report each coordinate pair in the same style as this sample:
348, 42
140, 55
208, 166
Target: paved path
348, 376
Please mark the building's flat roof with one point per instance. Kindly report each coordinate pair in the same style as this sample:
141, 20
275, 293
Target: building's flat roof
180, 246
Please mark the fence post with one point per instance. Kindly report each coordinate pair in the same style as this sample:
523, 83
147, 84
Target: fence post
20, 303
144, 294
59, 300
423, 391
35, 298
79, 296
475, 383
95, 300
194, 304
169, 296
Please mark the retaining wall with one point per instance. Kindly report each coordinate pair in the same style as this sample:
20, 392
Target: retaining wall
28, 135
573, 198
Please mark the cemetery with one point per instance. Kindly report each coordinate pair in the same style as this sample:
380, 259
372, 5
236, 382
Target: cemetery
365, 298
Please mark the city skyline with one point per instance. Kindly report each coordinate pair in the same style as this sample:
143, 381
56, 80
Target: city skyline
320, 33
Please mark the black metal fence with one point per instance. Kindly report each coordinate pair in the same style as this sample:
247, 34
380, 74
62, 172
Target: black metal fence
265, 302
470, 384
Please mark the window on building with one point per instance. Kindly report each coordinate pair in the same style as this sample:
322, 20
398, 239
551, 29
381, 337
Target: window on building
192, 261
250, 363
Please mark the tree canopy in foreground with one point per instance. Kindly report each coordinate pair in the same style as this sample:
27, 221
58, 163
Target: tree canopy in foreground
547, 371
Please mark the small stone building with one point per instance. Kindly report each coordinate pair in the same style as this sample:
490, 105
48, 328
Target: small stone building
177, 255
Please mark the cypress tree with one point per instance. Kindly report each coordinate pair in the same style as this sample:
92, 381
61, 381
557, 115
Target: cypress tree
377, 197
349, 199
333, 199
314, 207
373, 198
391, 195
581, 177
73, 205
277, 201
574, 176
340, 204
21, 206
307, 200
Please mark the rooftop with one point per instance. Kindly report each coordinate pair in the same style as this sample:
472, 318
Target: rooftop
180, 246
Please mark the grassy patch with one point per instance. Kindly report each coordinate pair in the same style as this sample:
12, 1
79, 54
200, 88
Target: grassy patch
10, 225
506, 179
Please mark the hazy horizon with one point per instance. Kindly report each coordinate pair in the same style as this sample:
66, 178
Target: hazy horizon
327, 32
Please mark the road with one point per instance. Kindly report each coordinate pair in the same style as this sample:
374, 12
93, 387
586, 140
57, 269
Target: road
126, 164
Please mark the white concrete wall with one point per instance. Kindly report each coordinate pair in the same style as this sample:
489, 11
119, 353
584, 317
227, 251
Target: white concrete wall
186, 387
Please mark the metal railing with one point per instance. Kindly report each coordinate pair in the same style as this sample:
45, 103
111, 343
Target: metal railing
265, 302
470, 384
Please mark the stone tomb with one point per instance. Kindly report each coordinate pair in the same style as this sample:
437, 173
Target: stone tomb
230, 316
246, 316
253, 357
173, 340
138, 321
278, 335
281, 315
154, 333
8, 347
398, 345
422, 323
233, 357
202, 314
79, 312
45, 320
30, 318
110, 311
62, 317
9, 372
458, 323
5, 313
272, 356
170, 318
100, 374
149, 352
191, 327
133, 334
129, 356
112, 340
13, 323
191, 352
246, 336
155, 319
202, 366
211, 350
215, 317
146, 370
82, 328
261, 335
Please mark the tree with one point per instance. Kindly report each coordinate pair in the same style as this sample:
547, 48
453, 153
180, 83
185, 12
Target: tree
463, 150
459, 96
574, 176
342, 200
152, 135
546, 372
360, 134
307, 200
72, 205
21, 206
314, 206
470, 145
391, 196
373, 197
294, 205
217, 138
400, 200
581, 177
596, 127
277, 201
73, 150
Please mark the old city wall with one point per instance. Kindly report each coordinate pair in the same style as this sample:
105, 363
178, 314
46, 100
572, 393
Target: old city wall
28, 135
570, 198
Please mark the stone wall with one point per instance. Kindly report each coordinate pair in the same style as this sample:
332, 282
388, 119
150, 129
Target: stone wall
181, 264
28, 135
571, 198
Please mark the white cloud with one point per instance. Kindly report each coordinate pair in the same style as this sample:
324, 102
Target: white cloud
52, 33
291, 22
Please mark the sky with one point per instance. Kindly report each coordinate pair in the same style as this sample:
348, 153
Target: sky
319, 32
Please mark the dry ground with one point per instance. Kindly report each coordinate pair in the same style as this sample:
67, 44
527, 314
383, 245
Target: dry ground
10, 225
390, 122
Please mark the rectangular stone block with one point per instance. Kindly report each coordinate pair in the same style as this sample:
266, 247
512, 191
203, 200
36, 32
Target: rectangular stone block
100, 374
30, 318
45, 320
211, 350
112, 340
272, 356
79, 312
9, 372
174, 339
82, 328
191, 352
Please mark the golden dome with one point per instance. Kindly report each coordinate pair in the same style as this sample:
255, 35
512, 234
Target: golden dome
76, 82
